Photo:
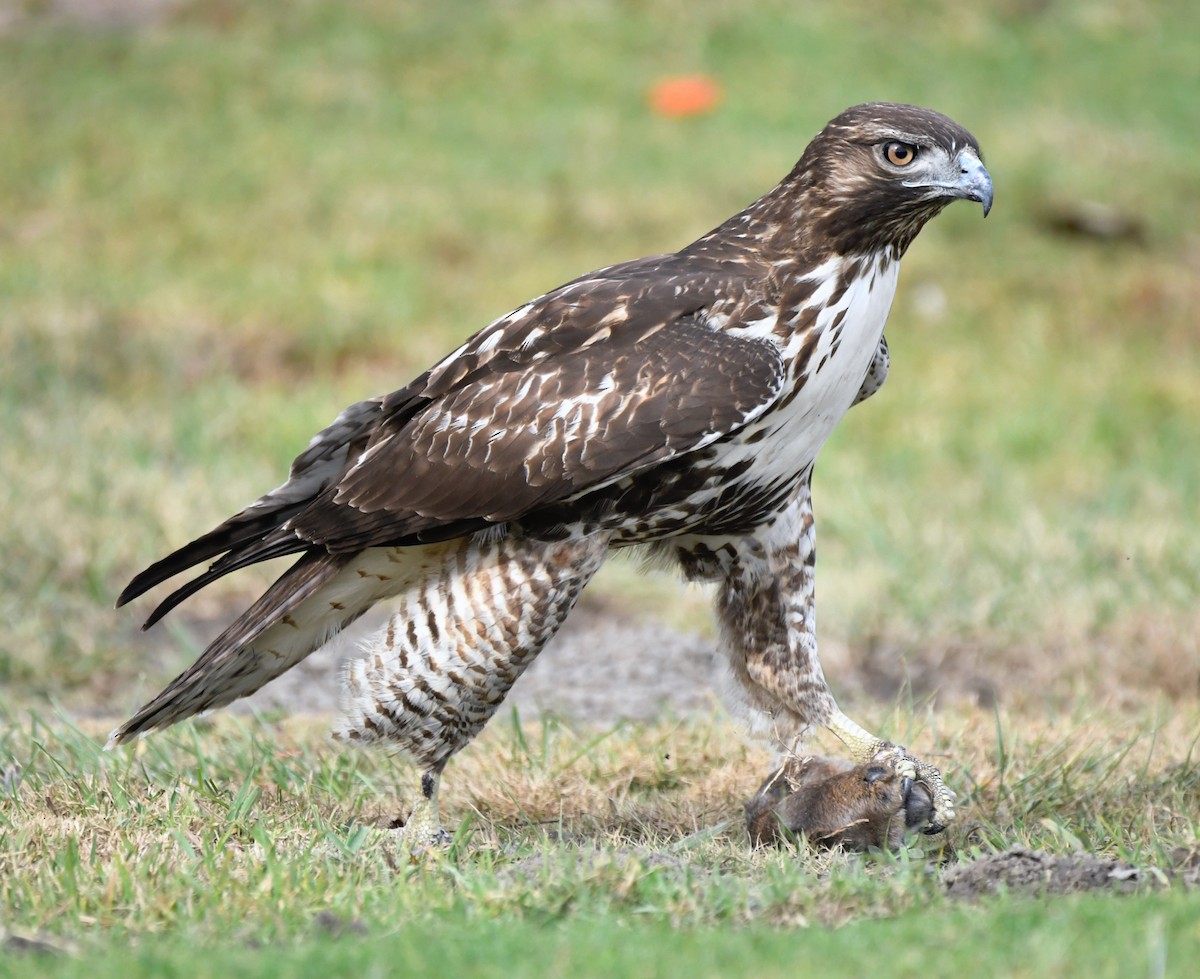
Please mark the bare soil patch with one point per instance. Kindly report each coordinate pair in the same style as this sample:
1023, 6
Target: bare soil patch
602, 668
1033, 872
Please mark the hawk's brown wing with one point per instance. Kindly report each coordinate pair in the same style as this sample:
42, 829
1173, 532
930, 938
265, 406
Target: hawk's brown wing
604, 376
513, 440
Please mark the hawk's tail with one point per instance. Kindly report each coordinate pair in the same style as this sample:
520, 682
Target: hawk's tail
312, 601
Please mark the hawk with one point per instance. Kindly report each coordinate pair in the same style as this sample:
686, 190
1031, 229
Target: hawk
675, 403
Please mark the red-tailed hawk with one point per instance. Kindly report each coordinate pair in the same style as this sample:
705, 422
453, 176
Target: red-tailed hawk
675, 403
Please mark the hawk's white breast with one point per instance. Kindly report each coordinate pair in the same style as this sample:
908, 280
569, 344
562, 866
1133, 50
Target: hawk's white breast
848, 333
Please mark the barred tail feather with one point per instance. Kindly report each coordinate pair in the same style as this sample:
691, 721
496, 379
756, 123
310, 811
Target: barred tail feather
309, 604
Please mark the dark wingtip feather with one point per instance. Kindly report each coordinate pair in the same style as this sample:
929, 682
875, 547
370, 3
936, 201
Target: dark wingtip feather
174, 563
175, 598
228, 536
251, 553
239, 535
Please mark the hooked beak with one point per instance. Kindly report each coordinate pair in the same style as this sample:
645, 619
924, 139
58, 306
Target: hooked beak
965, 179
974, 183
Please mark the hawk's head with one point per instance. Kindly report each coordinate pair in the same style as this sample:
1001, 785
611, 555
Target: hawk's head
872, 177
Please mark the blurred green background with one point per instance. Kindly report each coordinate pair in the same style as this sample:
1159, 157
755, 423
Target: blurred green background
220, 222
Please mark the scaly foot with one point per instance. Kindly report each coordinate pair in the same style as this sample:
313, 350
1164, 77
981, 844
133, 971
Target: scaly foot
924, 774
866, 748
422, 830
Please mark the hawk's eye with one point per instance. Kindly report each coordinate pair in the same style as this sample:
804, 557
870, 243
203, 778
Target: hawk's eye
899, 154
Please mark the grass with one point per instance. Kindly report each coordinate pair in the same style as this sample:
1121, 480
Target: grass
218, 228
1018, 940
244, 834
206, 251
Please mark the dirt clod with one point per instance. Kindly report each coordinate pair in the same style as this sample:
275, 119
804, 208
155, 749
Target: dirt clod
1023, 871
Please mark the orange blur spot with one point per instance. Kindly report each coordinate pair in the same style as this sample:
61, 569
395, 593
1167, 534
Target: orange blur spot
684, 95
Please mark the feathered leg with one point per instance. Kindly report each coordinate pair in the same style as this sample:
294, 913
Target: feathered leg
767, 613
456, 644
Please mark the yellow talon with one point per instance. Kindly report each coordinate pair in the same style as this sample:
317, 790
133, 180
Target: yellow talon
866, 747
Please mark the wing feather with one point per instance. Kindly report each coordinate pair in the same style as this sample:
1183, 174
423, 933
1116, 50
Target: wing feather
319, 465
496, 449
606, 375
